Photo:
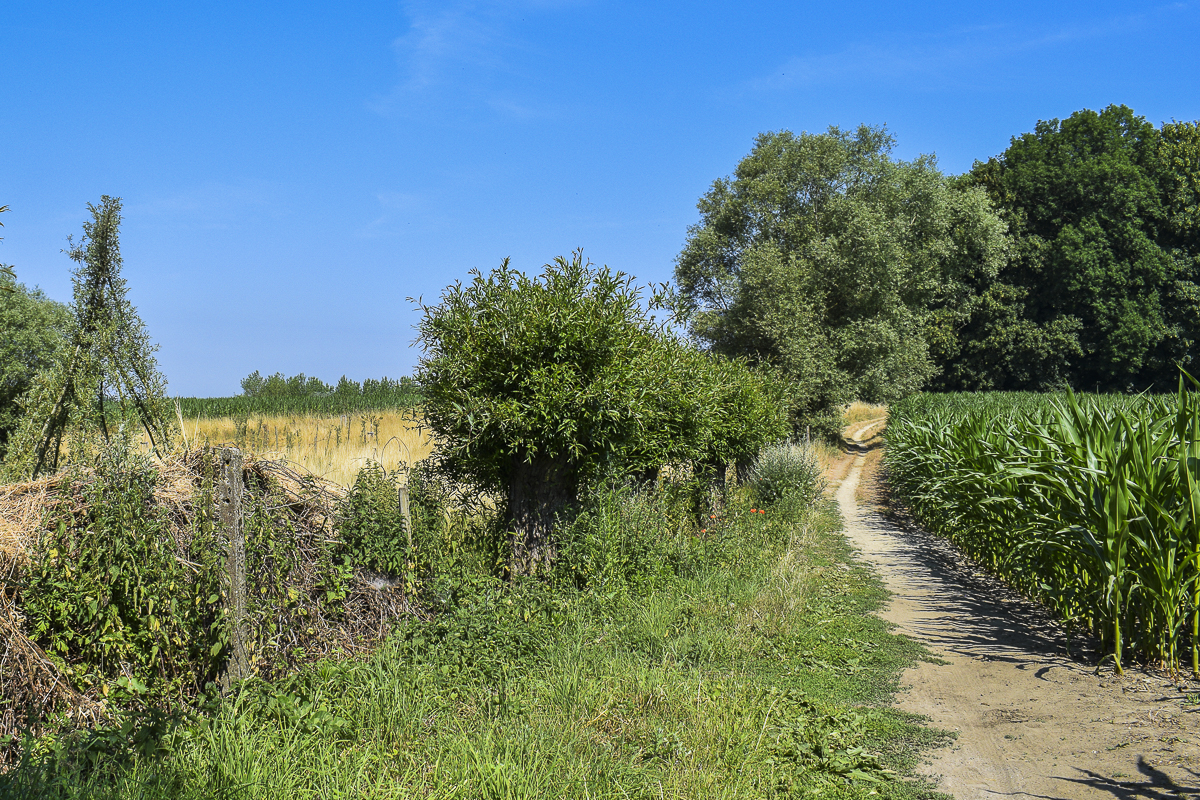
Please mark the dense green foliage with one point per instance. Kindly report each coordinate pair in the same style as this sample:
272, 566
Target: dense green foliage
106, 381
537, 387
111, 596
127, 592
32, 330
843, 267
1102, 288
372, 526
1089, 504
1073, 258
299, 395
440, 542
748, 666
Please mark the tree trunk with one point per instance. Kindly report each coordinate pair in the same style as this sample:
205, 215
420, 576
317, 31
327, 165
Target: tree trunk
711, 477
646, 478
538, 494
744, 465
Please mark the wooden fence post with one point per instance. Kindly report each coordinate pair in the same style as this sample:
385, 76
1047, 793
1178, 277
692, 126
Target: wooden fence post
406, 515
228, 495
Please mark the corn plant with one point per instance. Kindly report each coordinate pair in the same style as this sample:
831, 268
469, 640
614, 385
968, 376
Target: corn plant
1088, 504
381, 395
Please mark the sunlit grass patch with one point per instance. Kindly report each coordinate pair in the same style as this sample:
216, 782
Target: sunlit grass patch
757, 672
858, 411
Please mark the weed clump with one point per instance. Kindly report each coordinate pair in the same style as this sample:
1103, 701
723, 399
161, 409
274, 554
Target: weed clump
122, 605
625, 538
786, 471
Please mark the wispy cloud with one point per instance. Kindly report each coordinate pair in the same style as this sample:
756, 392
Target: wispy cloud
948, 58
396, 214
465, 57
448, 39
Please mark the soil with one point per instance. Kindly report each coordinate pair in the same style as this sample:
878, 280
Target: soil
1032, 719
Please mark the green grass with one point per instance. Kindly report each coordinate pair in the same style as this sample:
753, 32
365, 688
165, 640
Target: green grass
757, 671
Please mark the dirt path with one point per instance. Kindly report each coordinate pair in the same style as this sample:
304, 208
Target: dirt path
1031, 721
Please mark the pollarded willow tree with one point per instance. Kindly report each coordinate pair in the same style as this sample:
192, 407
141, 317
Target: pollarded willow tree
106, 381
841, 266
531, 385
535, 387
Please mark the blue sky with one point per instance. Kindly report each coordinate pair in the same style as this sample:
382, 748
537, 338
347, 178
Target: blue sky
291, 173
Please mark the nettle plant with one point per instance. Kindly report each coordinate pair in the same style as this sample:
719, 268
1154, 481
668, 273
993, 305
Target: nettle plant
537, 387
116, 599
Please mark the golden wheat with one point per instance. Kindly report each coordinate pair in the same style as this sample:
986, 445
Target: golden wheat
333, 447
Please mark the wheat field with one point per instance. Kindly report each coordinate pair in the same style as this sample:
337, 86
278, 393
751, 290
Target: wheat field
333, 447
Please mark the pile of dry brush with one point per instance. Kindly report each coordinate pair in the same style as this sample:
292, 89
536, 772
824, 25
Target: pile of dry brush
294, 618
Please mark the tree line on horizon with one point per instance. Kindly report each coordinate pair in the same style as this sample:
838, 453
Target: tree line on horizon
279, 385
305, 395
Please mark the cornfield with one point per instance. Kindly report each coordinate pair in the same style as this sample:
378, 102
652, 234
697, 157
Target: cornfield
1090, 505
394, 397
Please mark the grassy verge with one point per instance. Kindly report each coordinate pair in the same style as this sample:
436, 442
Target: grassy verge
755, 670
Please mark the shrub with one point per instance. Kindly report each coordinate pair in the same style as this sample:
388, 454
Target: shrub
623, 538
112, 597
785, 471
371, 524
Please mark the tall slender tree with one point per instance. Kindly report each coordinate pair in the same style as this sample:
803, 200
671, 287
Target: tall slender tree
5, 269
107, 377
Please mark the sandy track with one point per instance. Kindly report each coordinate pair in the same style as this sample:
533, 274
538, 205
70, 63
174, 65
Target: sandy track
1032, 722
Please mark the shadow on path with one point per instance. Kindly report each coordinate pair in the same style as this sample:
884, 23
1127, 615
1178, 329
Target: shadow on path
967, 611
1156, 785
1035, 718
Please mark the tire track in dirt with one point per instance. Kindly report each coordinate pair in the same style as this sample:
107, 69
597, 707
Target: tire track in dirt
1032, 722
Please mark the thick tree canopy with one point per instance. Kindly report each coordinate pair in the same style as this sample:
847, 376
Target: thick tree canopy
846, 269
1103, 284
